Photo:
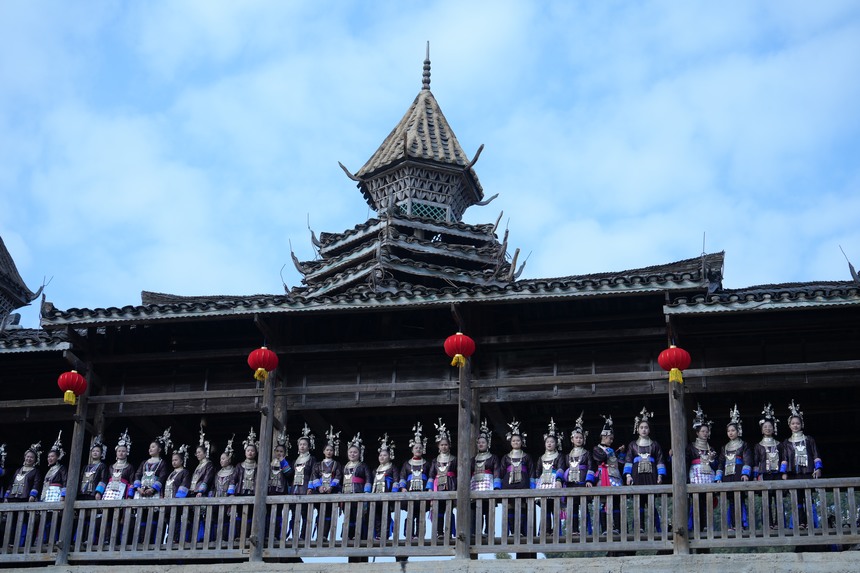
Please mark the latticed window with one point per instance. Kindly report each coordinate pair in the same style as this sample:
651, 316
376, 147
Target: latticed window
429, 211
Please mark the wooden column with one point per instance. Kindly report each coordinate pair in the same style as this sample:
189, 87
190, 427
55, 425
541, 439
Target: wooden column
680, 502
74, 476
264, 458
464, 445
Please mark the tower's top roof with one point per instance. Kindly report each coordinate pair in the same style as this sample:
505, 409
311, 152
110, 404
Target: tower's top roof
12, 286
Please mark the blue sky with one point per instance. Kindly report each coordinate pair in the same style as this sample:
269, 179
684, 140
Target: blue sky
182, 146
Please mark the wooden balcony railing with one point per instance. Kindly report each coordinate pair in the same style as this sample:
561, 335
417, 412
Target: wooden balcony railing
753, 514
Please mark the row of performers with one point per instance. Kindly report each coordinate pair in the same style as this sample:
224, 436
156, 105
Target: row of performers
642, 463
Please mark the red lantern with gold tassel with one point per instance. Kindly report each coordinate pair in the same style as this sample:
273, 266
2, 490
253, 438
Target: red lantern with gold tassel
262, 361
73, 385
459, 347
674, 360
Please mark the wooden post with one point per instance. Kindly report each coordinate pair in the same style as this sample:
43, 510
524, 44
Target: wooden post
264, 458
464, 448
680, 502
73, 478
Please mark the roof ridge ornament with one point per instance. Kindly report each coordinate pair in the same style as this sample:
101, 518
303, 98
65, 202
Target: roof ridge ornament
425, 79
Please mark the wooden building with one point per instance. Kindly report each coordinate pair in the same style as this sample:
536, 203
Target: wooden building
360, 341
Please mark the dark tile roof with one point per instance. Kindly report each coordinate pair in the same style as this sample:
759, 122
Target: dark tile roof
769, 297
388, 294
14, 340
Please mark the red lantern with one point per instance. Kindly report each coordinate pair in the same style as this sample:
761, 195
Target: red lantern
674, 360
262, 361
459, 347
73, 385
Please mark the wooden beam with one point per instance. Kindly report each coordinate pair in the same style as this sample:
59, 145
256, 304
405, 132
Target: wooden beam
268, 332
77, 363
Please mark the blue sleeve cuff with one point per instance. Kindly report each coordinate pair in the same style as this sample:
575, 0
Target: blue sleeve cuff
285, 465
157, 486
335, 483
367, 488
628, 468
136, 484
661, 470
818, 464
231, 489
497, 483
719, 476
182, 492
34, 493
100, 489
783, 467
746, 471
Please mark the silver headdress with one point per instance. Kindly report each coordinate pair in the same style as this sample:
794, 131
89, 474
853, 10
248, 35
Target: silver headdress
735, 418
552, 430
58, 447
417, 439
252, 440
579, 427
308, 435
37, 451
386, 444
700, 419
767, 415
514, 426
229, 449
2, 455
643, 416
204, 443
442, 432
796, 412
182, 452
607, 426
124, 441
333, 440
484, 432
283, 439
357, 442
164, 441
96, 442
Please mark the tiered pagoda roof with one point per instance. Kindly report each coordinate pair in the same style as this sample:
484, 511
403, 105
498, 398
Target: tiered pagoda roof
13, 291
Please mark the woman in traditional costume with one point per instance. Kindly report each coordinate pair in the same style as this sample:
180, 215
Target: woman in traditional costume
223, 484
95, 472
280, 469
548, 473
413, 478
735, 465
245, 473
54, 486
702, 463
152, 473
327, 475
517, 469
443, 477
303, 467
605, 472
177, 486
644, 461
767, 455
120, 474
485, 476
356, 479
27, 480
25, 485
203, 477
386, 479
577, 471
801, 461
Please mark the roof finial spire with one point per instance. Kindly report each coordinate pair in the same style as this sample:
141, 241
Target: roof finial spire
426, 79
